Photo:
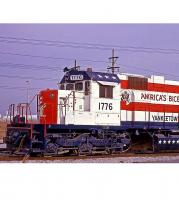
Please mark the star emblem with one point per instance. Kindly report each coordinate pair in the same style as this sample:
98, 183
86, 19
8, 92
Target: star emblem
173, 142
113, 77
99, 76
106, 76
169, 141
160, 142
177, 141
164, 141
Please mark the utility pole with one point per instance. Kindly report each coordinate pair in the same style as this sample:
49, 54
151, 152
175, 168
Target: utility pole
75, 64
113, 60
27, 82
76, 67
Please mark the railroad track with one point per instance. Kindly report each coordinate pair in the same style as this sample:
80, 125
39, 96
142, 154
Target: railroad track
20, 158
6, 156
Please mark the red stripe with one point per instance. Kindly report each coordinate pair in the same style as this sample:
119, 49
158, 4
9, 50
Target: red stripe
155, 87
135, 106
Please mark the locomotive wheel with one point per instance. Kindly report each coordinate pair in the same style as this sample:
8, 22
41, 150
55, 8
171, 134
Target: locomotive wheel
126, 140
121, 143
52, 148
85, 149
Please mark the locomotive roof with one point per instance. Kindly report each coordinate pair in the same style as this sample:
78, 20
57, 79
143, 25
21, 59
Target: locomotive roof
75, 75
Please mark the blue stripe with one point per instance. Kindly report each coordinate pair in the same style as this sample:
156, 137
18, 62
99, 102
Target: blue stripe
139, 124
124, 126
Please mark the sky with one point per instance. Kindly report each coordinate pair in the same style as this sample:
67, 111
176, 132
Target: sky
34, 55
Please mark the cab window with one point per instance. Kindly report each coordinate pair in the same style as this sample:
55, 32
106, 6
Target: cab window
62, 87
70, 86
79, 86
87, 87
105, 91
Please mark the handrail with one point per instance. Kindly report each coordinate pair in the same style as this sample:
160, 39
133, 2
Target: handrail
21, 110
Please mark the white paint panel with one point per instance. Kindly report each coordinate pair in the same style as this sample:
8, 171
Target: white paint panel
158, 79
126, 115
108, 119
169, 82
103, 105
84, 118
149, 116
155, 97
124, 76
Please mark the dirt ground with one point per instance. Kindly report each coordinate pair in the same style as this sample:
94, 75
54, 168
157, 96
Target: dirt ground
133, 159
2, 129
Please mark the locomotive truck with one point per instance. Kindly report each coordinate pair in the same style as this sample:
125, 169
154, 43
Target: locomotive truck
95, 112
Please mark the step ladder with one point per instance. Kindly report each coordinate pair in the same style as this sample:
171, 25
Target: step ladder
37, 142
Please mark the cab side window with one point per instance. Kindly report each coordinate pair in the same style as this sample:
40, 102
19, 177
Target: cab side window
70, 86
105, 91
79, 86
87, 87
62, 87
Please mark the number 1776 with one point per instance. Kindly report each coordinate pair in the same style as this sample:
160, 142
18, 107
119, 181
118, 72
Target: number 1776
105, 106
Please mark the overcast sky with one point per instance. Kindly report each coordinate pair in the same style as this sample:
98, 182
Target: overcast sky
34, 54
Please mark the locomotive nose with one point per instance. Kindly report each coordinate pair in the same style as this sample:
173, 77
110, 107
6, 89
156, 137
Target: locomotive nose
47, 106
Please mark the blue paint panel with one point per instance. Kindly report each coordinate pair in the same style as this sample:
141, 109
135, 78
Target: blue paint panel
124, 126
99, 76
138, 124
95, 76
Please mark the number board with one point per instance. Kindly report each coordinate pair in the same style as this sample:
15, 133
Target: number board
76, 77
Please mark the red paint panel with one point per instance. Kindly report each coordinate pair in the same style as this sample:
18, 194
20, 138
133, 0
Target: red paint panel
135, 106
155, 87
48, 106
124, 84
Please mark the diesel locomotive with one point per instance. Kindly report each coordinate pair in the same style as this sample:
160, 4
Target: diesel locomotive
95, 112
